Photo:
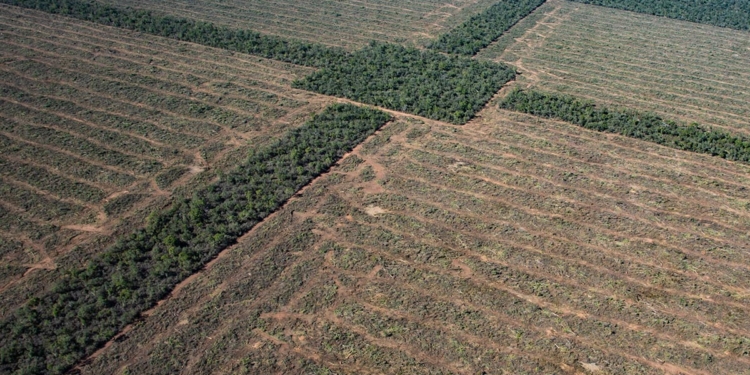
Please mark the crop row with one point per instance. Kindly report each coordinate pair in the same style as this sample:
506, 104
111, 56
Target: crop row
104, 92
123, 85
65, 141
88, 307
66, 164
421, 307
433, 224
480, 30
37, 206
150, 56
645, 126
69, 116
44, 180
13, 222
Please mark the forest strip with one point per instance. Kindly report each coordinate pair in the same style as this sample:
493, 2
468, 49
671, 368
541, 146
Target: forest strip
479, 31
645, 126
244, 41
733, 14
424, 83
89, 306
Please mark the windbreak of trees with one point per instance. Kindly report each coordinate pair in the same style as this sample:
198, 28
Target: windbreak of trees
89, 306
425, 83
734, 14
644, 126
244, 41
480, 30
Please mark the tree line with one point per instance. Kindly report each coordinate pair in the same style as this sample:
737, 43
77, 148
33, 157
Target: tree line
425, 83
205, 33
734, 14
480, 30
645, 126
88, 306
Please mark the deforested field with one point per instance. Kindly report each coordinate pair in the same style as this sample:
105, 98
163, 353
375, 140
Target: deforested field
349, 24
98, 124
178, 196
681, 70
510, 245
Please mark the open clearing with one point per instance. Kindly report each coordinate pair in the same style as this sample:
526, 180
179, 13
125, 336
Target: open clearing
98, 124
680, 70
350, 24
510, 245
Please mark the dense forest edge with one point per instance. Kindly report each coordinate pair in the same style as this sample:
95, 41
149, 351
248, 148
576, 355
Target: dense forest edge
482, 29
644, 126
208, 34
88, 306
733, 14
424, 83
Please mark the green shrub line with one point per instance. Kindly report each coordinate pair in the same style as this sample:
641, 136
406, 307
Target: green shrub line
482, 29
424, 83
205, 33
645, 126
88, 306
733, 14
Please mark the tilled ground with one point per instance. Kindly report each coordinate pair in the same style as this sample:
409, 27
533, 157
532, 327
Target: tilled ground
100, 126
509, 245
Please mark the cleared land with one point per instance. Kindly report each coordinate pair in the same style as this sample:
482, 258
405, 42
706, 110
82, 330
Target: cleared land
509, 245
350, 24
680, 70
99, 124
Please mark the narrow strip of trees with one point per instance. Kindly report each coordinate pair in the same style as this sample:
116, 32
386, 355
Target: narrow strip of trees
480, 30
244, 41
88, 306
425, 83
646, 126
734, 14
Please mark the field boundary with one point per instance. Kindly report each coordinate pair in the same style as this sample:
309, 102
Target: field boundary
645, 126
89, 306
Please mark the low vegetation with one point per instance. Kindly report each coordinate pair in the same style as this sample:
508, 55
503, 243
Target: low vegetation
405, 79
424, 83
480, 30
349, 24
734, 14
98, 124
646, 126
679, 70
90, 305
515, 245
245, 41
